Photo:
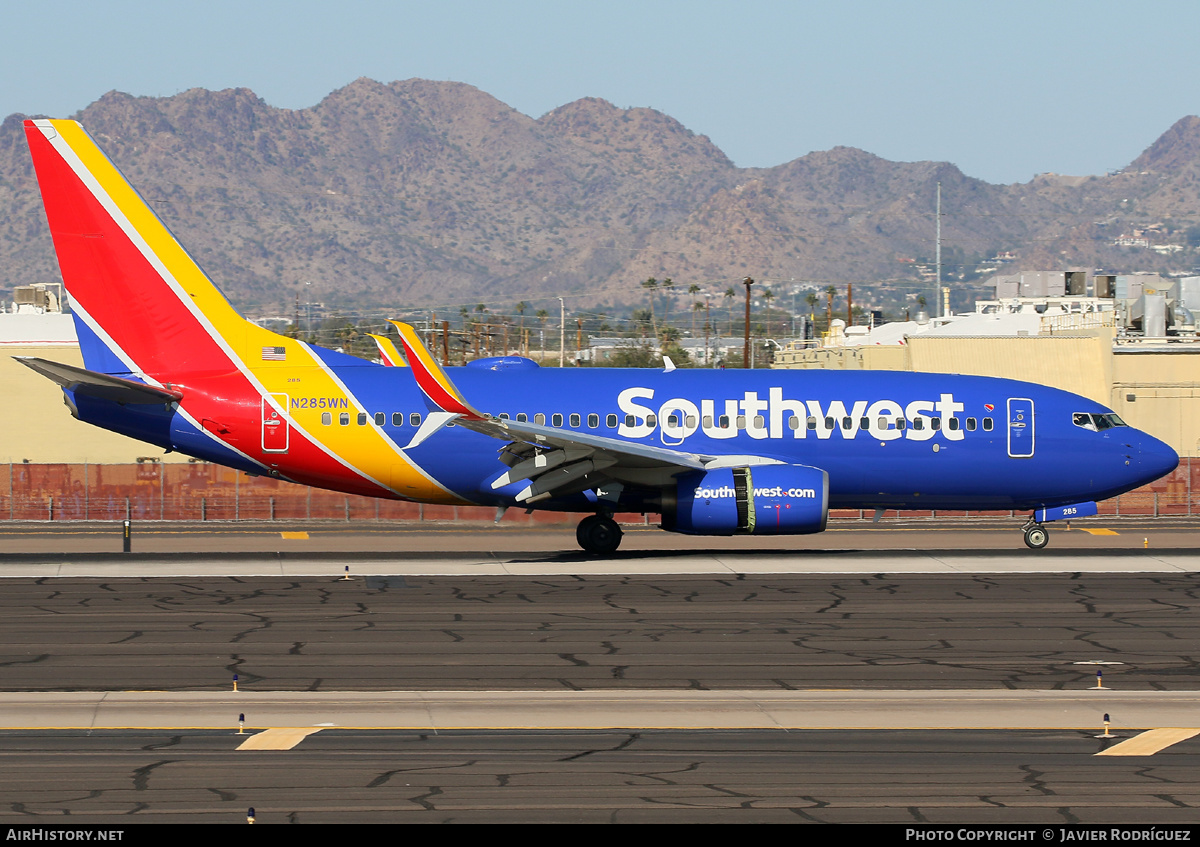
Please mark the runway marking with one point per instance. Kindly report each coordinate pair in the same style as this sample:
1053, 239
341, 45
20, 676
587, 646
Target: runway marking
279, 738
295, 536
1098, 531
1151, 741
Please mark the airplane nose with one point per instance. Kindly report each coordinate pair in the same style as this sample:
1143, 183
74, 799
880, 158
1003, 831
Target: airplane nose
1156, 458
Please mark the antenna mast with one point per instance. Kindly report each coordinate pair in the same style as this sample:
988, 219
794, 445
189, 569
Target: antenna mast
941, 313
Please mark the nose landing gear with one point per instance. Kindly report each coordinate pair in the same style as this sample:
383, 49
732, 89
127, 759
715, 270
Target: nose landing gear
1036, 536
598, 534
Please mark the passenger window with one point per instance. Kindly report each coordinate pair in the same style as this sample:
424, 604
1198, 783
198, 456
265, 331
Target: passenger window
522, 417
830, 423
611, 421
556, 419
971, 424
987, 424
901, 423
935, 424
593, 421
630, 421
724, 422
690, 421
574, 420
673, 419
793, 422
414, 419
864, 423
918, 423
883, 423
741, 421
504, 416
847, 423
326, 418
759, 422
380, 419
344, 418
539, 419
812, 422
652, 420
953, 424
397, 419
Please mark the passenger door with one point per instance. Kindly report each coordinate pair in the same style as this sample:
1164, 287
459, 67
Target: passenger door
274, 423
1020, 427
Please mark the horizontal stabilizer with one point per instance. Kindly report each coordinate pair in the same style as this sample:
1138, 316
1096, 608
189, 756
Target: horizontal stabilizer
101, 386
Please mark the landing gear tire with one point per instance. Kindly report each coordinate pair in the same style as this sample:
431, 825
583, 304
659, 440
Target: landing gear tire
1036, 536
598, 534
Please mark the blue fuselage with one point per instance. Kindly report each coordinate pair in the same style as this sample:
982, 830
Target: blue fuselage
885, 439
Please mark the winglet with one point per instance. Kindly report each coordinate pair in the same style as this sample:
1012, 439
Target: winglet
432, 380
387, 351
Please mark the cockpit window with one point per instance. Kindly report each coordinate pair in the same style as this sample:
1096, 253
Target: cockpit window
1096, 423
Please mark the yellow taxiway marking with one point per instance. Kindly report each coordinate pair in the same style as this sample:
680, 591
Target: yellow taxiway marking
303, 536
1098, 531
278, 738
1151, 741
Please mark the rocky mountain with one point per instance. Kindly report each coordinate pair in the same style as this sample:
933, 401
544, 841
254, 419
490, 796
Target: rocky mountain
436, 194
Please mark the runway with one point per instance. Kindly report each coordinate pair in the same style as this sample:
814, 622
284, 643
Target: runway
465, 679
905, 778
657, 709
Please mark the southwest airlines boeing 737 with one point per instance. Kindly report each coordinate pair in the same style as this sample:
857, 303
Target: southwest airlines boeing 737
168, 361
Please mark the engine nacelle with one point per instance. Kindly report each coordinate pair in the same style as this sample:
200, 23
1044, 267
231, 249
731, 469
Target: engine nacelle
763, 500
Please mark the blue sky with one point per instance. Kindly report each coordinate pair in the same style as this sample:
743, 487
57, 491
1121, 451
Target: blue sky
1004, 90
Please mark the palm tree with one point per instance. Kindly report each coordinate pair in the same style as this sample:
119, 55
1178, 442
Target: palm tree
768, 296
831, 295
729, 295
667, 284
521, 307
811, 300
651, 285
693, 290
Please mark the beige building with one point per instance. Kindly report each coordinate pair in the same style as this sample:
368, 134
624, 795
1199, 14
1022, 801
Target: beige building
35, 424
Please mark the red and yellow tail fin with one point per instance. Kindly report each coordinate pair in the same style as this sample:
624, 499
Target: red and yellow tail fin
131, 282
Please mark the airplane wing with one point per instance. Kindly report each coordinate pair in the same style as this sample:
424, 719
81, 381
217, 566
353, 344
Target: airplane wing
554, 461
388, 353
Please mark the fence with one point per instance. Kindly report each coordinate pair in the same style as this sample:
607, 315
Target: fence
204, 492
200, 492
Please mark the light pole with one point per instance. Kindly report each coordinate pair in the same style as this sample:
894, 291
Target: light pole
707, 328
747, 354
562, 332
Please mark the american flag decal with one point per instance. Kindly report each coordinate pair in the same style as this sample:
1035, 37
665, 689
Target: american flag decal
274, 354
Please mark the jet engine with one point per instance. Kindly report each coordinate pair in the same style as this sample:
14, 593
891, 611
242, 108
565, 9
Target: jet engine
762, 499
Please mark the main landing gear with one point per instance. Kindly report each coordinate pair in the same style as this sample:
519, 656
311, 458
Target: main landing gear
598, 534
1036, 536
